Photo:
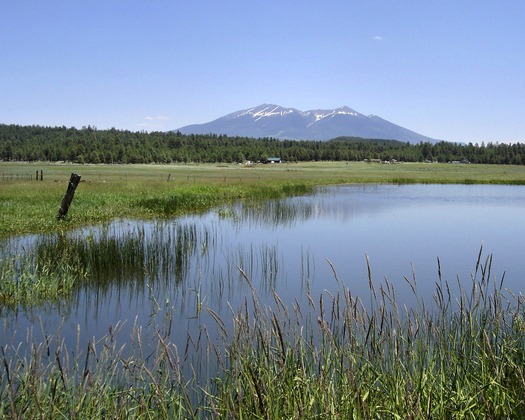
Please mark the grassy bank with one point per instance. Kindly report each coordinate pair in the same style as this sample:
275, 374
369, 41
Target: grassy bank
339, 357
107, 192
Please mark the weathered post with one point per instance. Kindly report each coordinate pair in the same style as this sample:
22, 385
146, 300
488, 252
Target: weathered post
68, 198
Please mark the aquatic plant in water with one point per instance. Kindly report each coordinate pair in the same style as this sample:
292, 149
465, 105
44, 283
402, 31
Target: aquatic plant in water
22, 282
338, 356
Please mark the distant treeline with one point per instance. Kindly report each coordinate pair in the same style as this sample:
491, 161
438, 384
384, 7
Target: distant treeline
89, 145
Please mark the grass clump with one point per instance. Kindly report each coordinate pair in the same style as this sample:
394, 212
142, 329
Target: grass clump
24, 283
202, 198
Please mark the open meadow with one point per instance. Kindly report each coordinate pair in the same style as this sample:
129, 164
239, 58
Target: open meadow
107, 192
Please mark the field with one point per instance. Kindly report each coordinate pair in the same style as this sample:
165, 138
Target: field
107, 192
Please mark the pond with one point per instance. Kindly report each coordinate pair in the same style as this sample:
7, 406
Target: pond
197, 269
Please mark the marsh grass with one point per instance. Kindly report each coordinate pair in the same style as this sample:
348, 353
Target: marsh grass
202, 198
32, 207
464, 357
100, 380
26, 282
55, 265
32, 287
337, 356
128, 255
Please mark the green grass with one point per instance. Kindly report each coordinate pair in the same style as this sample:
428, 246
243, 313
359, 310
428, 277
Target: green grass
109, 192
341, 356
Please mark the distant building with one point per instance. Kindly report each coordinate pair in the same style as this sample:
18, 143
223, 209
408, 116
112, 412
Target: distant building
273, 160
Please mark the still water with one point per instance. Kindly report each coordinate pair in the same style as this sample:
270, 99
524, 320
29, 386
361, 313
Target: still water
295, 247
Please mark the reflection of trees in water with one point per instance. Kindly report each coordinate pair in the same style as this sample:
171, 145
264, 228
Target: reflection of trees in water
339, 203
275, 213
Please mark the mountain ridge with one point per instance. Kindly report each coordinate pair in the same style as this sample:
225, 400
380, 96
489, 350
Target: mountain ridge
270, 120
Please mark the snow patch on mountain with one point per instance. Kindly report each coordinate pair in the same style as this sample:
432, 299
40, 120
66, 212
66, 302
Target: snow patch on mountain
270, 111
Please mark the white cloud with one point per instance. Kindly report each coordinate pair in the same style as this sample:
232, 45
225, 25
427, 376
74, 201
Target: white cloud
153, 122
377, 38
156, 118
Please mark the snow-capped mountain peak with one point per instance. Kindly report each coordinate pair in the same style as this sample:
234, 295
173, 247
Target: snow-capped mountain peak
319, 115
270, 120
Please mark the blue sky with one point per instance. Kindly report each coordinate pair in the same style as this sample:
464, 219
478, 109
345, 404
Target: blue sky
448, 69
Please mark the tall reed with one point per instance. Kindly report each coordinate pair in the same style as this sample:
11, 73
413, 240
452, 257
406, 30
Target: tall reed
99, 380
461, 355
344, 358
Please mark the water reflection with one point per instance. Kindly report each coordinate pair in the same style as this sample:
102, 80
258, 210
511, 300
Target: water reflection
298, 247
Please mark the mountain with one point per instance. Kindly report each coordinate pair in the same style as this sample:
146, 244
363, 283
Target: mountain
288, 123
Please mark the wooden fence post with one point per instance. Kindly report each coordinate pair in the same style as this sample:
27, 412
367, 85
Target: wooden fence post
68, 198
